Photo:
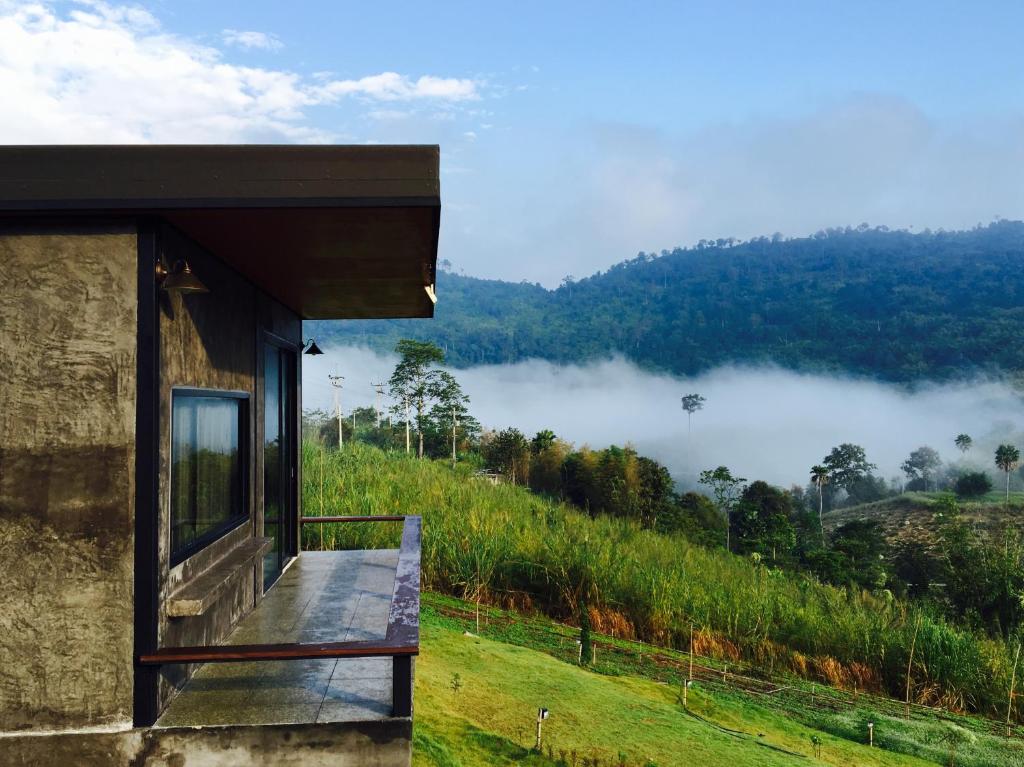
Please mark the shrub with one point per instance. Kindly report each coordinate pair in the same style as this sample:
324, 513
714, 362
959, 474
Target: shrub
972, 484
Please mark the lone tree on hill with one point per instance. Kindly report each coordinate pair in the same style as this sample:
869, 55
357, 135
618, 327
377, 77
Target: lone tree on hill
726, 489
847, 464
691, 404
921, 465
1007, 459
964, 442
820, 478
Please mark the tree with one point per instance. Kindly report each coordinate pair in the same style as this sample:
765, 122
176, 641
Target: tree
856, 555
964, 442
921, 465
695, 516
820, 478
655, 491
416, 380
542, 440
763, 521
1007, 459
691, 404
846, 464
726, 489
973, 484
509, 452
450, 406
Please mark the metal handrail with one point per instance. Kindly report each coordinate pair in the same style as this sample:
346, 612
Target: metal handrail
401, 642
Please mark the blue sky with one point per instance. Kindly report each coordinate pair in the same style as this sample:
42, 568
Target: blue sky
573, 135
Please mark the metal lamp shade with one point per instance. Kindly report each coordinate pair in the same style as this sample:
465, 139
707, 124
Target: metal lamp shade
183, 281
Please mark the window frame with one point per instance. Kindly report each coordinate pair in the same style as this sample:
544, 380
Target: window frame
244, 426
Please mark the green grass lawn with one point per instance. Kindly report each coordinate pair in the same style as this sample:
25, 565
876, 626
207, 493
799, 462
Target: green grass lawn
490, 720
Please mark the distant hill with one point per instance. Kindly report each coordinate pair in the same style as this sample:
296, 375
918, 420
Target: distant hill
888, 304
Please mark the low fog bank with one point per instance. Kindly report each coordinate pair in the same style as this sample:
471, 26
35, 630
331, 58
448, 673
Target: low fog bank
764, 423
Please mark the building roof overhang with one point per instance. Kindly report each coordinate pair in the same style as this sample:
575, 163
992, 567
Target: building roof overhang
333, 232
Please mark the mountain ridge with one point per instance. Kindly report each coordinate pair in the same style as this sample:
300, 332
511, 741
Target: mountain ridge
890, 304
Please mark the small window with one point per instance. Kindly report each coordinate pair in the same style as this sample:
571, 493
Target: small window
208, 467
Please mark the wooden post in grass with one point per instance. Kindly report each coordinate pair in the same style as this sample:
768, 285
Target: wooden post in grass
910, 663
1013, 682
542, 714
689, 675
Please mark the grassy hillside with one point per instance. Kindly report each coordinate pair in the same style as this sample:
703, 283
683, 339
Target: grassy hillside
506, 546
910, 517
892, 305
627, 709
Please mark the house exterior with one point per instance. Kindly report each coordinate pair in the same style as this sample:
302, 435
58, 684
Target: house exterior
151, 307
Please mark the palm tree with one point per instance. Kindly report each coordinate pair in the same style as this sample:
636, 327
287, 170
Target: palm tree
964, 442
820, 477
1007, 459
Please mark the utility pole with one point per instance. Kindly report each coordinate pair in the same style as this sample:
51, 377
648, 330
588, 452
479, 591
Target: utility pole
380, 393
455, 425
407, 448
336, 383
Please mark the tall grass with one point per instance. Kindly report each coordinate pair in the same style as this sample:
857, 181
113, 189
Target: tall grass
506, 545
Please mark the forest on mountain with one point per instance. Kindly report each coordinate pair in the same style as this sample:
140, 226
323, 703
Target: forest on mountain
894, 305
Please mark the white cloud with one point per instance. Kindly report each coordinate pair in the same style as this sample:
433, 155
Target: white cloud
249, 39
470, 135
104, 73
391, 86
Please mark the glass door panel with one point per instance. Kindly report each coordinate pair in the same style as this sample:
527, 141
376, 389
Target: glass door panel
278, 457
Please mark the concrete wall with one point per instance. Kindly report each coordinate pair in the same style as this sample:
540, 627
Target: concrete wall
212, 340
67, 424
371, 744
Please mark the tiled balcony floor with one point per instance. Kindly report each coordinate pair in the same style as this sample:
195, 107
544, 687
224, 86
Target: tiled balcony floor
333, 596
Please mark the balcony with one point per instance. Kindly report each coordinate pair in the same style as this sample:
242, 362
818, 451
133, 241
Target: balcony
330, 644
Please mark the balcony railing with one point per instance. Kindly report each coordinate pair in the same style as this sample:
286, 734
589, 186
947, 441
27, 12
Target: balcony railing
401, 642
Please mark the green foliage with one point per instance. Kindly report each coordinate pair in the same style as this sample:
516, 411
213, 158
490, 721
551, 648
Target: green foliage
847, 464
856, 555
887, 304
921, 466
508, 452
762, 523
973, 484
694, 516
419, 383
507, 541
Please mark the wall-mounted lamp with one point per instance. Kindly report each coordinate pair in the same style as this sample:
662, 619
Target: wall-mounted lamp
179, 278
311, 347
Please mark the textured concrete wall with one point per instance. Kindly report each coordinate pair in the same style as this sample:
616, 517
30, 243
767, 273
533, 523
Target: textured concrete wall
67, 452
372, 744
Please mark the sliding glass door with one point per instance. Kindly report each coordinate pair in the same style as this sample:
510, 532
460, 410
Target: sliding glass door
279, 458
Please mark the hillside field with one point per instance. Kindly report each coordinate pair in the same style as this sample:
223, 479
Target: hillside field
627, 709
503, 545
